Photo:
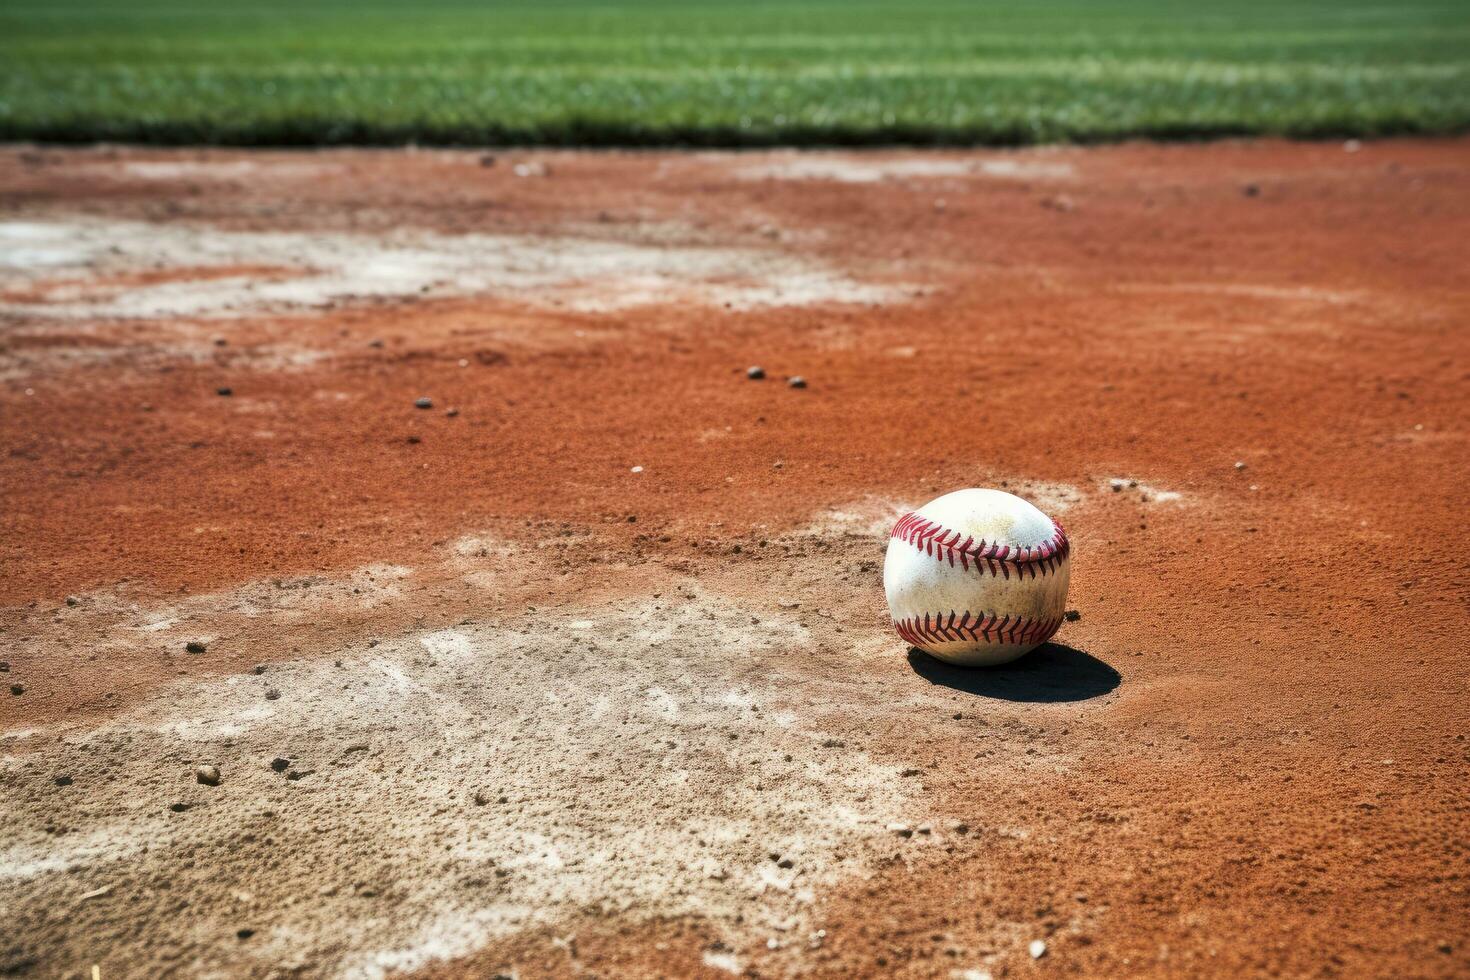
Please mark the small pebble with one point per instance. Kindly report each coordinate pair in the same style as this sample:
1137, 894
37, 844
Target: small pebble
1038, 948
71, 600
17, 689
902, 830
4, 666
224, 392
63, 780
481, 797
280, 765
194, 646
1073, 615
1117, 485
755, 373
797, 382
960, 827
1239, 464
179, 807
423, 403
1251, 190
452, 413
208, 775
296, 774
785, 863
244, 933
375, 343
272, 694
413, 440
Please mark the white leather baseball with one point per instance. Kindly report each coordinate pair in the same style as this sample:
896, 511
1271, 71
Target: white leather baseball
977, 577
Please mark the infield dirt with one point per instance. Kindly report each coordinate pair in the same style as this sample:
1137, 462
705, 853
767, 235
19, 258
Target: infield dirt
585, 668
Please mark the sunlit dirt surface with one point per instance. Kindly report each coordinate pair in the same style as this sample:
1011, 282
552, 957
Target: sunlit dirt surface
584, 668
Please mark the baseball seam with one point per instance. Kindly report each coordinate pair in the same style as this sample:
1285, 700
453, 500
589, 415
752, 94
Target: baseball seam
968, 627
945, 544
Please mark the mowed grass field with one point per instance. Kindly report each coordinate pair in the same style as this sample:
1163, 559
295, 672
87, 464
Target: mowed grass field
699, 72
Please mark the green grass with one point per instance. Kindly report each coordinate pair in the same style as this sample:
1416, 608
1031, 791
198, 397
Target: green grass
702, 72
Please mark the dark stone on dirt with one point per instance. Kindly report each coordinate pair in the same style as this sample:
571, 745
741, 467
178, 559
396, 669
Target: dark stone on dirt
208, 775
260, 669
17, 962
194, 646
785, 863
1251, 190
423, 403
244, 933
272, 694
1073, 615
796, 382
63, 780
481, 797
17, 689
755, 373
224, 392
414, 440
71, 600
4, 666
296, 774
375, 343
280, 765
179, 807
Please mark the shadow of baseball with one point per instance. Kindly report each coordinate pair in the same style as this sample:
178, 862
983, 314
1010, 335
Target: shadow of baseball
1051, 673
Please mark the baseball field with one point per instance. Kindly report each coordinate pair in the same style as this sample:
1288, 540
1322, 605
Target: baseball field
468, 561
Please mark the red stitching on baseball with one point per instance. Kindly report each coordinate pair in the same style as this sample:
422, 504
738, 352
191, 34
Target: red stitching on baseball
957, 628
943, 544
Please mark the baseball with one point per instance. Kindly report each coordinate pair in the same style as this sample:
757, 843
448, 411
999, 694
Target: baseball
977, 577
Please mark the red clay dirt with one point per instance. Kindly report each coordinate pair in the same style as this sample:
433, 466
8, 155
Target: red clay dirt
1240, 370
